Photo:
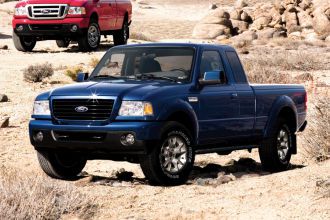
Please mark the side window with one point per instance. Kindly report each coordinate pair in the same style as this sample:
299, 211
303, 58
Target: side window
113, 66
236, 67
211, 61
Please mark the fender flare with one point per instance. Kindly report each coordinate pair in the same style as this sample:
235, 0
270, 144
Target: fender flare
180, 105
279, 104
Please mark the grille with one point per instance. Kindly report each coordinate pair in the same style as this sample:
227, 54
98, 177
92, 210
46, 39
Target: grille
45, 27
91, 109
47, 11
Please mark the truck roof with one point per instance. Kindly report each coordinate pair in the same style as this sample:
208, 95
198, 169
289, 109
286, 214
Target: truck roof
193, 45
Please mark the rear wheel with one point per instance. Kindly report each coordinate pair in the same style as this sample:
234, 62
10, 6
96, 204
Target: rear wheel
121, 36
275, 154
24, 44
66, 165
63, 43
170, 162
91, 39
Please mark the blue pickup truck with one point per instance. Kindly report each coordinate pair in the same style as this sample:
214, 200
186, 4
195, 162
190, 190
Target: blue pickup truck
159, 105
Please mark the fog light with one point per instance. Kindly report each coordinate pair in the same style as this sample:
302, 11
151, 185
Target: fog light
38, 137
74, 28
20, 28
128, 139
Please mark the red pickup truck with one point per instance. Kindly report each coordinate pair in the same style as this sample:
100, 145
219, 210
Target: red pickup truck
83, 21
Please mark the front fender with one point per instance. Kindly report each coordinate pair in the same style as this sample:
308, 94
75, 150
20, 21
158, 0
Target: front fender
280, 103
178, 106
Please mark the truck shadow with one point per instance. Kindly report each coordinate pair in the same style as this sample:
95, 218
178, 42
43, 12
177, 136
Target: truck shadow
211, 174
75, 49
5, 36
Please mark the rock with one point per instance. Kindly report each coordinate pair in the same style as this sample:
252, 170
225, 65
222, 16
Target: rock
221, 37
305, 4
210, 31
245, 17
235, 14
84, 181
266, 34
216, 20
291, 8
213, 6
4, 47
304, 19
291, 22
240, 25
327, 39
5, 122
219, 12
240, 4
279, 34
321, 22
224, 179
295, 35
261, 22
3, 98
310, 35
276, 18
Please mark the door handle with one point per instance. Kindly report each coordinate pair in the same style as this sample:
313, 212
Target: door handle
234, 95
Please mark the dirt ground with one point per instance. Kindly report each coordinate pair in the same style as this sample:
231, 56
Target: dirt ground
251, 193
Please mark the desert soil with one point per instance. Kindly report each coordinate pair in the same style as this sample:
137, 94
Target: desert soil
252, 193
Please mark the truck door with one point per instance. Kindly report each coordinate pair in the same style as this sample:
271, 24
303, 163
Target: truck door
245, 95
218, 106
109, 14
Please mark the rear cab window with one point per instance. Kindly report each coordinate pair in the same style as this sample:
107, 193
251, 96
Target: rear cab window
236, 67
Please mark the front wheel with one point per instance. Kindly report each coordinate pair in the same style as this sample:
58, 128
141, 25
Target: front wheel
171, 160
275, 153
64, 165
121, 36
91, 39
24, 44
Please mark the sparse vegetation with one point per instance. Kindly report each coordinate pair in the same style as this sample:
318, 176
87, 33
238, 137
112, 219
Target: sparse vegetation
317, 134
36, 73
27, 196
73, 71
93, 62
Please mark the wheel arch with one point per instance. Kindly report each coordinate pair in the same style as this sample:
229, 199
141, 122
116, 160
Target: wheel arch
94, 17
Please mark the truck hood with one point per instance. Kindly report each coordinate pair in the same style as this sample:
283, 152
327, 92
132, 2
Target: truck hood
134, 90
69, 2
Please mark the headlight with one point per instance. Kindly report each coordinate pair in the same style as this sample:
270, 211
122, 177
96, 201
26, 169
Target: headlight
77, 11
20, 11
41, 108
135, 108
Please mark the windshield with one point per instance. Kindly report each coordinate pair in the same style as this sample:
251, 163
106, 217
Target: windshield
146, 63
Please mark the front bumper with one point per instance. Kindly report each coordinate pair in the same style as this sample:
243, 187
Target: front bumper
95, 139
50, 29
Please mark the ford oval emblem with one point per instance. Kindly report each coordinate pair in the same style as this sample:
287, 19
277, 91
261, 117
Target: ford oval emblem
45, 11
81, 109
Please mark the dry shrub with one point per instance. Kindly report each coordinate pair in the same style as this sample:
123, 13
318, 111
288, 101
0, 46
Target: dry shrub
94, 61
36, 73
270, 67
140, 36
27, 196
317, 134
73, 71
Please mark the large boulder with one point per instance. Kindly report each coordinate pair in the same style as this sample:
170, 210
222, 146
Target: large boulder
210, 31
304, 19
291, 21
266, 34
235, 14
240, 4
240, 25
245, 17
321, 20
261, 22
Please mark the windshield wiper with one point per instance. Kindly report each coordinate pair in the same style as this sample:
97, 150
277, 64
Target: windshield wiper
105, 76
152, 76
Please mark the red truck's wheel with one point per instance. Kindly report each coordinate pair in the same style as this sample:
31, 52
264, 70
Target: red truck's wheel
171, 161
121, 37
24, 44
91, 39
61, 165
275, 153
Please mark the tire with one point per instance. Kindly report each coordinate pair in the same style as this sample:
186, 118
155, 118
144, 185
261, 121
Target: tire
121, 37
63, 43
24, 44
166, 164
90, 40
275, 153
64, 166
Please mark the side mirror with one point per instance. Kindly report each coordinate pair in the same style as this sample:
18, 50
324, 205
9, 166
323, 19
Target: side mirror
81, 77
212, 78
